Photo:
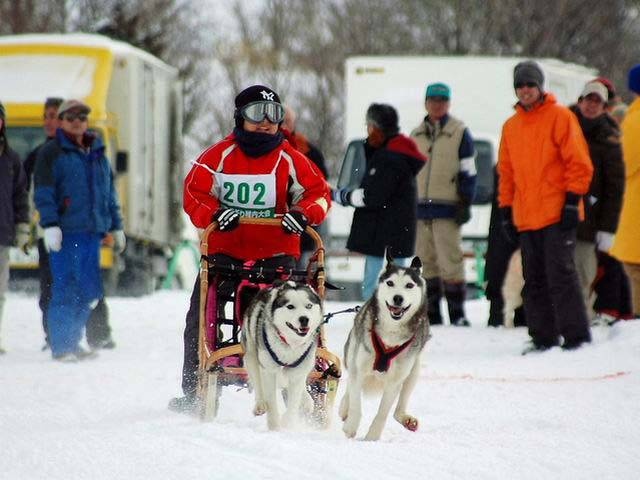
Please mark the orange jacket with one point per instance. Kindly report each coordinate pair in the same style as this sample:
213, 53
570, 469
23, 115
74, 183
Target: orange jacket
543, 155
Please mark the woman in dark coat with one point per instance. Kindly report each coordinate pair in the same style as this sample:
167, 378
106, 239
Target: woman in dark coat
385, 216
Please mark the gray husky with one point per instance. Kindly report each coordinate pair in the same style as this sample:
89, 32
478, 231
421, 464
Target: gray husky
384, 345
279, 338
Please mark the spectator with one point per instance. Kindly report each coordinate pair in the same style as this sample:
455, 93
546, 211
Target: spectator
14, 209
446, 188
611, 287
385, 216
499, 252
300, 143
615, 106
98, 329
255, 153
626, 247
544, 169
604, 199
78, 206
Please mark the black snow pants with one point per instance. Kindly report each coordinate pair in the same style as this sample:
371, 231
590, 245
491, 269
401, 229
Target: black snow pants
552, 297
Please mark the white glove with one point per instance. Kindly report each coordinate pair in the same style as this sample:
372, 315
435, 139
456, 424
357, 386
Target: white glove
53, 239
119, 241
23, 236
604, 241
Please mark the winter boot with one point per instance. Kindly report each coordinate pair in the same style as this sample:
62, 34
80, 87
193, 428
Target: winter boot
519, 318
455, 295
496, 312
434, 294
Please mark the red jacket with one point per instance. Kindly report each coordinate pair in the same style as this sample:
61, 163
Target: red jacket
298, 186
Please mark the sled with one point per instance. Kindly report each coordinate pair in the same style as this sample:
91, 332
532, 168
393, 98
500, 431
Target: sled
220, 353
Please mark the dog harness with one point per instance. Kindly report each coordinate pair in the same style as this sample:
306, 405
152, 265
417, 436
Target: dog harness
384, 355
275, 357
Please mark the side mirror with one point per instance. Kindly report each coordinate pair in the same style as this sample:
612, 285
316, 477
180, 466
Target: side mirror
485, 181
122, 162
353, 166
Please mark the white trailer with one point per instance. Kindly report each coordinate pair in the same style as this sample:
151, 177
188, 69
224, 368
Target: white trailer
482, 96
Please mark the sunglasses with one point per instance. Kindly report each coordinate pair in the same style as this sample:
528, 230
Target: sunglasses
70, 117
256, 112
526, 84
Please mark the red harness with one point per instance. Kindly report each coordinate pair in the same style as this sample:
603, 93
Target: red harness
385, 354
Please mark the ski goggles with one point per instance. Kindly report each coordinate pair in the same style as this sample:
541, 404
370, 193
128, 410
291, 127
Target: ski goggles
256, 112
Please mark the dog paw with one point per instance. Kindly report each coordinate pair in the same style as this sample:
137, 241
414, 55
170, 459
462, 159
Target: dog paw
260, 409
372, 436
349, 430
409, 422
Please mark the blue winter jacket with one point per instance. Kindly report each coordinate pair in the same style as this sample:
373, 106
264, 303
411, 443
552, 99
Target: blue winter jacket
74, 189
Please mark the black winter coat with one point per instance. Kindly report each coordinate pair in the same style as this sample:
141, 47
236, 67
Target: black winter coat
603, 202
388, 218
14, 204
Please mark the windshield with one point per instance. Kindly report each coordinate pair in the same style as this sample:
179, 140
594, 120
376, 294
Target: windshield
24, 140
484, 169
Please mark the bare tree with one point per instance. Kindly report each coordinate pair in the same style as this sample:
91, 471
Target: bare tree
25, 16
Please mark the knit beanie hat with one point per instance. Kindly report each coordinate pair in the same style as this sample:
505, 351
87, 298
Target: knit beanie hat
254, 93
384, 117
634, 79
528, 72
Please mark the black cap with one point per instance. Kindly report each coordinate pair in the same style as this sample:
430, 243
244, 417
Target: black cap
526, 72
254, 93
384, 117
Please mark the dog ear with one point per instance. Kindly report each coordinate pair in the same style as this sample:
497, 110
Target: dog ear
416, 264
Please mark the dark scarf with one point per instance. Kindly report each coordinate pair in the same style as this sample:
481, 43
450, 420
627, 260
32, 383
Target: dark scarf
256, 144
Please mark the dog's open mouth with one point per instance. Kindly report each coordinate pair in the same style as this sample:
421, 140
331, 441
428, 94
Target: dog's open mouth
302, 331
397, 312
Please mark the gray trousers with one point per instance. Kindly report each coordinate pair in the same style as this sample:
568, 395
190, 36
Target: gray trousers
439, 246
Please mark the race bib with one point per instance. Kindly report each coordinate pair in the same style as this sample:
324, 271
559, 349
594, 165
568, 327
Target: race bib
251, 195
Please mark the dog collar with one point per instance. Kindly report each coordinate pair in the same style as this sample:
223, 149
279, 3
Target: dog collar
385, 354
275, 358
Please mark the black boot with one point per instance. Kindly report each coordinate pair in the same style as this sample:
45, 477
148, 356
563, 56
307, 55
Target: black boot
434, 294
455, 295
496, 313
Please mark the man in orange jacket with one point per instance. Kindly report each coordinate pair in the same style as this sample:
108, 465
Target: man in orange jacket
544, 170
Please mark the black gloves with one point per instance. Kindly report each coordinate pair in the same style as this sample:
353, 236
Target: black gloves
294, 222
227, 219
463, 213
570, 213
508, 228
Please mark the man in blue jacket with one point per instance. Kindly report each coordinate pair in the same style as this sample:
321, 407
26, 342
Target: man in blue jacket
78, 205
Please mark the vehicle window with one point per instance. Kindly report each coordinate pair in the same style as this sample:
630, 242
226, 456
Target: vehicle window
484, 168
353, 165
24, 139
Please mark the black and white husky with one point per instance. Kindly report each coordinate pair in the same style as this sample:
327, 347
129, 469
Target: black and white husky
388, 334
279, 338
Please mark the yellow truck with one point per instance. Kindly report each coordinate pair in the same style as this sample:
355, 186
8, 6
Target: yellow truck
136, 107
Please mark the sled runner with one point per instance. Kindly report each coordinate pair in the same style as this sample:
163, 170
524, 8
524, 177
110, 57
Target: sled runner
225, 291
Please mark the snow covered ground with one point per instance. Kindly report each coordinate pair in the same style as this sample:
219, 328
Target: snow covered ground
486, 412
